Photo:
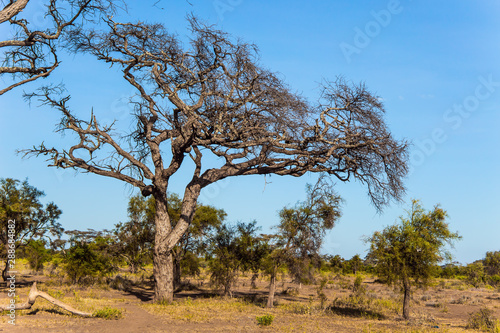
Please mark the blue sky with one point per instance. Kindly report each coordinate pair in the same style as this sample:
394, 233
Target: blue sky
434, 64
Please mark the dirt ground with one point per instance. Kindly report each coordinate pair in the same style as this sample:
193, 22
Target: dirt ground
443, 307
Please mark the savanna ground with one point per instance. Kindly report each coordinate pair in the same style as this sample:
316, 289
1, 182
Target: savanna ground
443, 307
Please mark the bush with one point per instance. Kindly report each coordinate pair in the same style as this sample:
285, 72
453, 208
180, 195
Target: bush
483, 320
475, 274
265, 320
190, 264
494, 280
358, 287
108, 313
36, 254
84, 262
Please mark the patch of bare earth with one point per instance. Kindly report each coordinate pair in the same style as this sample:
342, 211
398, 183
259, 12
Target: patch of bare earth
441, 308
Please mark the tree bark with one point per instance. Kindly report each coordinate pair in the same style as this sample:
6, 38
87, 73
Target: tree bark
272, 290
162, 258
406, 300
12, 10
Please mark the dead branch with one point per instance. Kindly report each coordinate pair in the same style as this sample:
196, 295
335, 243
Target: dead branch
29, 54
32, 296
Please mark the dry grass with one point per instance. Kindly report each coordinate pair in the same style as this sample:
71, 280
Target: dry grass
444, 307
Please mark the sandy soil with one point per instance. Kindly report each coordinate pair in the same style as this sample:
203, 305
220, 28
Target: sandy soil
444, 307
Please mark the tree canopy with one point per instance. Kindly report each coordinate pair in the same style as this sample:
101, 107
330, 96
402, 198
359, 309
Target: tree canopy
301, 231
20, 202
212, 99
407, 252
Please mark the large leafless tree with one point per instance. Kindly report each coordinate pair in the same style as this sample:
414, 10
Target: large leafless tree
212, 98
31, 52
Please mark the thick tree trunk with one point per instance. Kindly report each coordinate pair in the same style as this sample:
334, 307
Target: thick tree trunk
166, 238
406, 300
272, 290
163, 269
163, 272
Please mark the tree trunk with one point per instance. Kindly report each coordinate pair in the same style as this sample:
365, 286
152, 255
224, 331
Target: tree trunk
177, 272
163, 269
272, 290
253, 285
406, 300
5, 271
166, 238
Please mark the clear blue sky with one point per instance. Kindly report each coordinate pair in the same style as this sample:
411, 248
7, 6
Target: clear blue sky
434, 63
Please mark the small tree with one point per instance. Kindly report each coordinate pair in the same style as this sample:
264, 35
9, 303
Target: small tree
301, 232
233, 249
492, 263
20, 202
354, 264
408, 252
475, 274
90, 256
134, 239
37, 254
337, 263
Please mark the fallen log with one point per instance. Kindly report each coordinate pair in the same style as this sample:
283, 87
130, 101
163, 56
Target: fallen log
32, 296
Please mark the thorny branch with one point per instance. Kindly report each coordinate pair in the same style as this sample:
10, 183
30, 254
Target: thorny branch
30, 54
213, 98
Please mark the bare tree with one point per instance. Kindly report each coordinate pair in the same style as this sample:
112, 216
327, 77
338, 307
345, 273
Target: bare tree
213, 99
29, 53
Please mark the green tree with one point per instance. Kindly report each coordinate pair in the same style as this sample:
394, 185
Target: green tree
135, 239
300, 233
408, 252
37, 254
234, 248
20, 202
491, 263
90, 256
337, 263
475, 274
354, 264
205, 222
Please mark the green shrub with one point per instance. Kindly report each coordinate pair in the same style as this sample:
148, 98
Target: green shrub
36, 254
357, 286
494, 280
85, 261
108, 313
475, 274
265, 320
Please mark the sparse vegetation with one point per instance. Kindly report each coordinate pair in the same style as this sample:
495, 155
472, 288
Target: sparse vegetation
108, 313
204, 109
265, 320
407, 254
483, 320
